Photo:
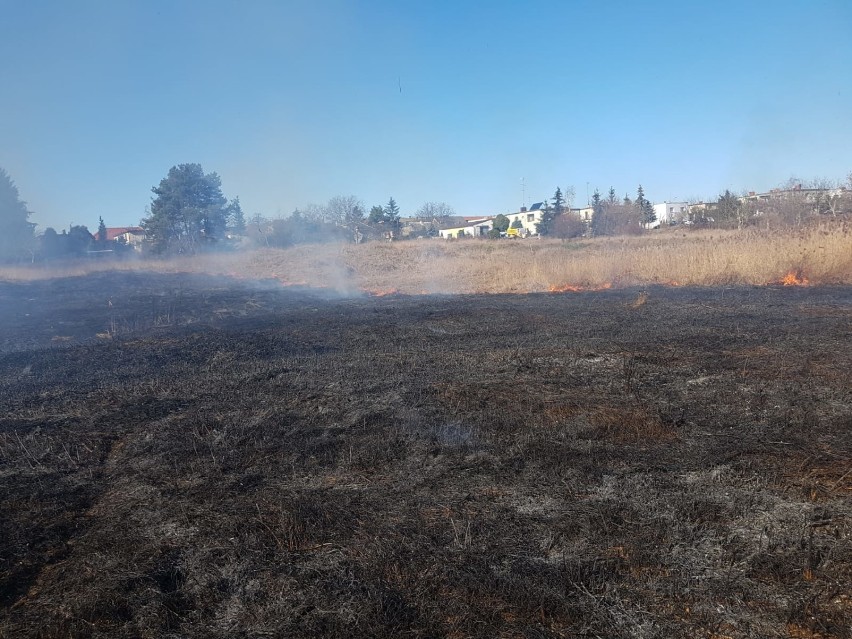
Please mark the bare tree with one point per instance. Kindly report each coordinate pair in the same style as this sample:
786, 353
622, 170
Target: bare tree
790, 206
344, 210
436, 210
831, 196
314, 213
568, 195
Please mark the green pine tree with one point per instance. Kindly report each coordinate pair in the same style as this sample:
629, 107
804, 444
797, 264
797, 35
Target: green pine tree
189, 210
236, 218
102, 233
392, 215
598, 221
16, 233
644, 208
558, 202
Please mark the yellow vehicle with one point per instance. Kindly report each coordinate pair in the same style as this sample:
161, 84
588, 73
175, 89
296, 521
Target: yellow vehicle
513, 233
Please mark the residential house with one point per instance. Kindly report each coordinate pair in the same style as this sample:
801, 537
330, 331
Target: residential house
834, 199
428, 226
584, 214
132, 236
525, 220
529, 219
700, 211
669, 213
470, 227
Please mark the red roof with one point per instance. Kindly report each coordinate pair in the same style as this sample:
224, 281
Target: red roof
114, 232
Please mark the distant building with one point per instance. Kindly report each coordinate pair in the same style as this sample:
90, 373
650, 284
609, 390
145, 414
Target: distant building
525, 221
529, 219
428, 226
470, 227
130, 235
584, 213
830, 200
835, 197
669, 213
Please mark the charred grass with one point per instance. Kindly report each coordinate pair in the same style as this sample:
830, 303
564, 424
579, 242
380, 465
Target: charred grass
272, 462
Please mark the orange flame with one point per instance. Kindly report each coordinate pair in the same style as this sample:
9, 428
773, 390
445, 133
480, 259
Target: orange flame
571, 288
794, 278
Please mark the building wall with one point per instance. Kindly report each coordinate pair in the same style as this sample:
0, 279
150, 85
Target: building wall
479, 229
131, 239
667, 212
529, 219
584, 213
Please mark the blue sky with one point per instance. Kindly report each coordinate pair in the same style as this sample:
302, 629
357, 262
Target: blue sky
295, 102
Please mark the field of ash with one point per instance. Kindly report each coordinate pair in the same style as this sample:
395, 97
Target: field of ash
189, 456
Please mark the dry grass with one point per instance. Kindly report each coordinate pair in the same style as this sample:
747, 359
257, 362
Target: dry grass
820, 254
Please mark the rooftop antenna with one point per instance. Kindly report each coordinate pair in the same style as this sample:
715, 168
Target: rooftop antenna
523, 192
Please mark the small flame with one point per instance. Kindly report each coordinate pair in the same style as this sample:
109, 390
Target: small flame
572, 288
794, 278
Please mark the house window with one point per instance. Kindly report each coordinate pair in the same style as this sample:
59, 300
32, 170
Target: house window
530, 217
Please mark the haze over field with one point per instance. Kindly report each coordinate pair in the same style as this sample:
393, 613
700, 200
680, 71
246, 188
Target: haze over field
296, 102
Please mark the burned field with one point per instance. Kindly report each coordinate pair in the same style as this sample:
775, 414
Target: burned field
186, 456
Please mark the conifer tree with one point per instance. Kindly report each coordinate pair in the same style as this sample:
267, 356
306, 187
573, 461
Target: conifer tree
16, 233
644, 208
102, 232
189, 209
558, 202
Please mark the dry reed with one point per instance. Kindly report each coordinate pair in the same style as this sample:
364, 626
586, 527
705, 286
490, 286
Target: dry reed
818, 255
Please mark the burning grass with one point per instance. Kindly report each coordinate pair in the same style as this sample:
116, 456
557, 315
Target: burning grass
794, 278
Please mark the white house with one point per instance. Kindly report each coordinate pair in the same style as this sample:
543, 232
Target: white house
475, 227
669, 213
529, 219
526, 220
130, 235
585, 213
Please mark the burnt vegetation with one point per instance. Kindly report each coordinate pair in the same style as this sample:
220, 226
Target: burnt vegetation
198, 457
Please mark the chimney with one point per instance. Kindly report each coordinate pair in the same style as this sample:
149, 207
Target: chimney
523, 209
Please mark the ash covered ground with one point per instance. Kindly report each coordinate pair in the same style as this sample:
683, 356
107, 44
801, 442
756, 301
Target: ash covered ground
196, 457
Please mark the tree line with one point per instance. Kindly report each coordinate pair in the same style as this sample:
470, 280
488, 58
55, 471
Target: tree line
610, 215
189, 213
18, 241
